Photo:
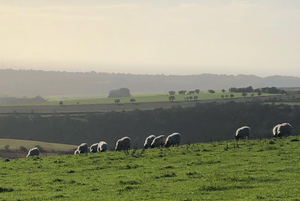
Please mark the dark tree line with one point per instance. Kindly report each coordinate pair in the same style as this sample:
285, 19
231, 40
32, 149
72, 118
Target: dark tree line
202, 123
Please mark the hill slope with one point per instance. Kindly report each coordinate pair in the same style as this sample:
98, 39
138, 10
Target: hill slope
252, 170
31, 82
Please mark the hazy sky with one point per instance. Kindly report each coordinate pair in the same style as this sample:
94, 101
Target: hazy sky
260, 37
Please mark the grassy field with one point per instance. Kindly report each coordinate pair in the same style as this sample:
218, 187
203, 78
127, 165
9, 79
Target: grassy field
15, 145
266, 169
140, 98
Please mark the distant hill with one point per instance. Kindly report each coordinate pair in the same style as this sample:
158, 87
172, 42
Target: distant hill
34, 82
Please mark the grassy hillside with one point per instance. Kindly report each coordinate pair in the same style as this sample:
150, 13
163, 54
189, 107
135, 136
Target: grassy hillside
140, 98
266, 169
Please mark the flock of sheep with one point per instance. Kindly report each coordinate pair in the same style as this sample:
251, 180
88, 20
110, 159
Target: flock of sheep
280, 130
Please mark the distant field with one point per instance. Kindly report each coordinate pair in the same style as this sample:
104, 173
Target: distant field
141, 98
261, 169
15, 145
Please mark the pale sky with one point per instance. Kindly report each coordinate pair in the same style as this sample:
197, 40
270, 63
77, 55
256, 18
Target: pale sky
260, 37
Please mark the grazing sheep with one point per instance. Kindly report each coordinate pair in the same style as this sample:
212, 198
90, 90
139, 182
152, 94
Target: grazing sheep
275, 130
148, 141
158, 141
123, 144
33, 152
173, 139
76, 152
242, 132
284, 129
83, 148
102, 146
94, 148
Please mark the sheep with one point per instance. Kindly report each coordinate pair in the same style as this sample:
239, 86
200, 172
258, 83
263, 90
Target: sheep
284, 129
158, 141
173, 139
94, 148
148, 141
242, 132
123, 144
102, 146
76, 152
275, 130
83, 148
33, 152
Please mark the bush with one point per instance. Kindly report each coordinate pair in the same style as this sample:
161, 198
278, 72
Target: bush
22, 148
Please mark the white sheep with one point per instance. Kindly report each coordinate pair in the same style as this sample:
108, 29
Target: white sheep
33, 152
83, 148
284, 129
123, 144
94, 148
173, 140
148, 141
243, 133
158, 141
102, 146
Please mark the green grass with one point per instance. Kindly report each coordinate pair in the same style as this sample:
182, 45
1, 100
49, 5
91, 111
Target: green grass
140, 98
264, 169
15, 145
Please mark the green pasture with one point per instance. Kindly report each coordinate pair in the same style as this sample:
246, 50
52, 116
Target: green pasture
266, 169
47, 146
141, 98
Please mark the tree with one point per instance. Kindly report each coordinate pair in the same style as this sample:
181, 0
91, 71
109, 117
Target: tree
226, 95
197, 91
195, 98
231, 95
259, 93
132, 100
252, 95
171, 98
222, 96
223, 90
191, 92
122, 92
117, 101
191, 97
182, 92
244, 94
172, 93
211, 91
61, 103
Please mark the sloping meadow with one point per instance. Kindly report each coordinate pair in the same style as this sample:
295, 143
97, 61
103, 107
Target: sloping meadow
261, 169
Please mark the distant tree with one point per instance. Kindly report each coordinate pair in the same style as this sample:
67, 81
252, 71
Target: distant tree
231, 95
226, 95
172, 93
122, 92
182, 92
223, 90
195, 98
191, 92
211, 91
252, 95
61, 103
298, 92
6, 147
132, 100
24, 149
259, 93
191, 97
197, 91
171, 98
117, 101
222, 96
244, 94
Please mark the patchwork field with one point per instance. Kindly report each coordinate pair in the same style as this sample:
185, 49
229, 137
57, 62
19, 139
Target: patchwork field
266, 169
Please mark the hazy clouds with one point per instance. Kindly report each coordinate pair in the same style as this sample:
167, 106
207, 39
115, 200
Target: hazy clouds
173, 37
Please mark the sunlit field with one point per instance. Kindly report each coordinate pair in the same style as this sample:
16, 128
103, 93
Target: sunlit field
261, 169
155, 97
